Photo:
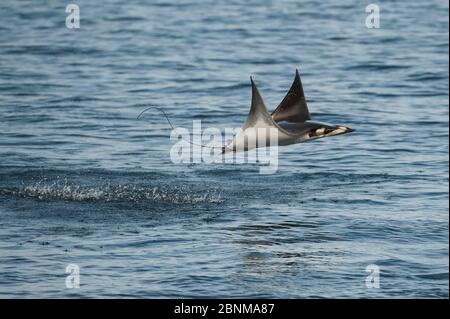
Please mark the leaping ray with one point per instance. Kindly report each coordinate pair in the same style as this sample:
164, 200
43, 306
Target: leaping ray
291, 119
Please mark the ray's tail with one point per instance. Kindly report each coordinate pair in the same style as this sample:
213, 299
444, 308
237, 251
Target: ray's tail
173, 128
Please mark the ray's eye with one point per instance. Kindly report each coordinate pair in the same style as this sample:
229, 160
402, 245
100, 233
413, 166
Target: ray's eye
316, 132
320, 131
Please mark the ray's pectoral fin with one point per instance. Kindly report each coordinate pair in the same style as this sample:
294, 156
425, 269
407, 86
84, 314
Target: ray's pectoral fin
258, 116
293, 108
258, 122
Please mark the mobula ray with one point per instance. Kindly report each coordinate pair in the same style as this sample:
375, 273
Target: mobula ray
290, 120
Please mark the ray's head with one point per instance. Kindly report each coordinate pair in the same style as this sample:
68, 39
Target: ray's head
326, 130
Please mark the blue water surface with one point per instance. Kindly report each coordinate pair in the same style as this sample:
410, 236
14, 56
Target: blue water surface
83, 182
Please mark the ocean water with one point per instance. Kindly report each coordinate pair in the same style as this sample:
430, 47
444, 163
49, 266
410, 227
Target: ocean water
83, 182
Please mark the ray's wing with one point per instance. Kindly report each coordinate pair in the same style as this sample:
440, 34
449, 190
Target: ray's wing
293, 108
258, 116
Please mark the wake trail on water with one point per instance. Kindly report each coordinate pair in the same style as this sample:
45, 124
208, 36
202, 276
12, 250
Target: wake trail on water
64, 190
